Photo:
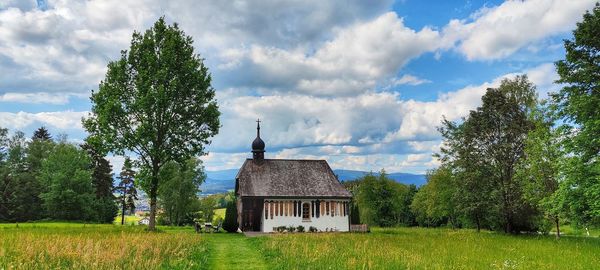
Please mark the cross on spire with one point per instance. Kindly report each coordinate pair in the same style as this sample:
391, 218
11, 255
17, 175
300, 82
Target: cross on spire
257, 127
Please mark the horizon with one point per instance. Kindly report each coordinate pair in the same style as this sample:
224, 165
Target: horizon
363, 86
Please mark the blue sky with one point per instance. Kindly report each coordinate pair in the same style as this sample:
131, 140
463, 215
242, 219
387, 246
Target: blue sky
363, 84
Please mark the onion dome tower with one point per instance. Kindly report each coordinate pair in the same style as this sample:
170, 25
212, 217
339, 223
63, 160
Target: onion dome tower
258, 146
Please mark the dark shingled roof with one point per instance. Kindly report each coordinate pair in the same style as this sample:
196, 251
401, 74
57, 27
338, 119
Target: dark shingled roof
288, 178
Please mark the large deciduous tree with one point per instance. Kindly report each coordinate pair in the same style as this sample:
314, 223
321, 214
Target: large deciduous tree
578, 103
156, 101
484, 151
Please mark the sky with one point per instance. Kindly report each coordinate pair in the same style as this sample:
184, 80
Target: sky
362, 84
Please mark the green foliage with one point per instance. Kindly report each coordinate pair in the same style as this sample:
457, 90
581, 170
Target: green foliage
41, 134
384, 202
70, 194
435, 202
156, 101
484, 150
576, 104
102, 181
230, 224
127, 193
207, 208
540, 170
300, 228
178, 191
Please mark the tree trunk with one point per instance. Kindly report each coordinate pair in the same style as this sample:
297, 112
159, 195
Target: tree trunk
123, 210
557, 227
478, 223
153, 194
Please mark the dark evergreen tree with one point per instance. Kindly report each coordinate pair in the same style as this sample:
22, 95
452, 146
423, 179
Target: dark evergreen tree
102, 181
26, 203
41, 134
126, 189
7, 184
354, 213
230, 224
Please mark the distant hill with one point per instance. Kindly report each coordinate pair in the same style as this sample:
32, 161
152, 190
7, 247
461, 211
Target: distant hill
224, 180
404, 178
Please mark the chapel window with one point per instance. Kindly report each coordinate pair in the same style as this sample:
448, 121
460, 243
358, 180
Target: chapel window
305, 211
266, 210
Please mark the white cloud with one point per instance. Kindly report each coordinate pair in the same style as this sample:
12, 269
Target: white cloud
64, 120
409, 79
66, 47
497, 32
37, 98
353, 62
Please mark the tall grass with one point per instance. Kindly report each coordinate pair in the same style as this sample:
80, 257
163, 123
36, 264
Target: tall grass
419, 248
84, 246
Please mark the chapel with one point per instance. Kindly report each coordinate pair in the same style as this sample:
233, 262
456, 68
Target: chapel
289, 192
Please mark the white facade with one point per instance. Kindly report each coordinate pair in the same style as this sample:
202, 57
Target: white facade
336, 218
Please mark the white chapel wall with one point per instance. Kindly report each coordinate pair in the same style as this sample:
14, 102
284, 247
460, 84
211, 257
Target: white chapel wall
324, 222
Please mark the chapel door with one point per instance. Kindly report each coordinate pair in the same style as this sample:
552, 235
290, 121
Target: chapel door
251, 214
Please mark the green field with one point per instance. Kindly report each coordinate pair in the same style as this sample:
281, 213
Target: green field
129, 220
85, 246
219, 213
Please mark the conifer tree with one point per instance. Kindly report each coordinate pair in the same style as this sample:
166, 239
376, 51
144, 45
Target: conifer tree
41, 134
230, 224
126, 189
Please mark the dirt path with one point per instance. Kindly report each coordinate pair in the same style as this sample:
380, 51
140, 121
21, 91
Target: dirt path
233, 251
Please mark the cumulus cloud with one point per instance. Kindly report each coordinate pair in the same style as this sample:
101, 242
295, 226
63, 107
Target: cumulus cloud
353, 62
366, 124
497, 32
37, 98
64, 120
66, 46
409, 79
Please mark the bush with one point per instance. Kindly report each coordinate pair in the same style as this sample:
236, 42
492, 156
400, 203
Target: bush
230, 223
312, 229
280, 229
291, 229
300, 228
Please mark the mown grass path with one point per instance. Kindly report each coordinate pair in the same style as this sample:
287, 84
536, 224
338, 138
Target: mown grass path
233, 251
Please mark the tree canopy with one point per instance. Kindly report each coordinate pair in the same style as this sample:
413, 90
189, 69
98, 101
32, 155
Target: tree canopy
156, 101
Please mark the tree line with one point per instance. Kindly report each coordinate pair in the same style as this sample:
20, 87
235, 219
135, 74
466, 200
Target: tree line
42, 178
516, 163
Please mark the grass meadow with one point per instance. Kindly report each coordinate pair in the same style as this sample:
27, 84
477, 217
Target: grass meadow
422, 248
85, 246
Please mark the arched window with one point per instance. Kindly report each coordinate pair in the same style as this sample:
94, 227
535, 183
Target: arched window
272, 208
266, 210
280, 203
295, 209
306, 211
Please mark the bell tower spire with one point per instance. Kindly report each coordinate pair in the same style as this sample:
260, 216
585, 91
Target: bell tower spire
258, 145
